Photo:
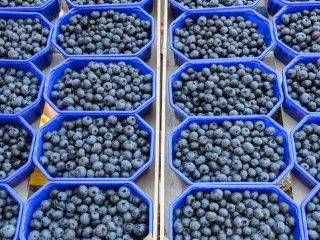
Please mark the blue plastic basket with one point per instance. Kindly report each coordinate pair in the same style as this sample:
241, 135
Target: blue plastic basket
78, 64
50, 9
19, 202
293, 107
274, 6
198, 66
264, 28
144, 4
41, 59
303, 212
24, 171
303, 174
283, 52
34, 110
144, 53
288, 158
177, 8
35, 200
269, 189
55, 123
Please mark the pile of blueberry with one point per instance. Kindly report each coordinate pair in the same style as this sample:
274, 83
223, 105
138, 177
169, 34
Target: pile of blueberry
90, 213
18, 89
102, 87
8, 215
15, 145
96, 147
303, 82
220, 91
301, 30
107, 32
233, 215
307, 149
194, 4
94, 2
240, 151
218, 37
22, 38
22, 3
313, 217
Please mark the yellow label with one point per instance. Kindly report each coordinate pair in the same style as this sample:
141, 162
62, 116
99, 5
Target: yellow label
37, 179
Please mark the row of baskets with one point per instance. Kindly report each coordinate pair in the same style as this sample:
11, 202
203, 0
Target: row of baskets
33, 111
30, 113
43, 58
286, 55
26, 210
281, 51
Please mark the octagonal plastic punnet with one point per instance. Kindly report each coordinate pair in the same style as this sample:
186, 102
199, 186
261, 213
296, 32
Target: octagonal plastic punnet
18, 202
282, 51
35, 200
33, 111
198, 66
178, 8
144, 53
55, 124
274, 6
144, 4
280, 131
79, 64
264, 28
26, 170
303, 211
291, 106
268, 189
303, 174
49, 9
41, 59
